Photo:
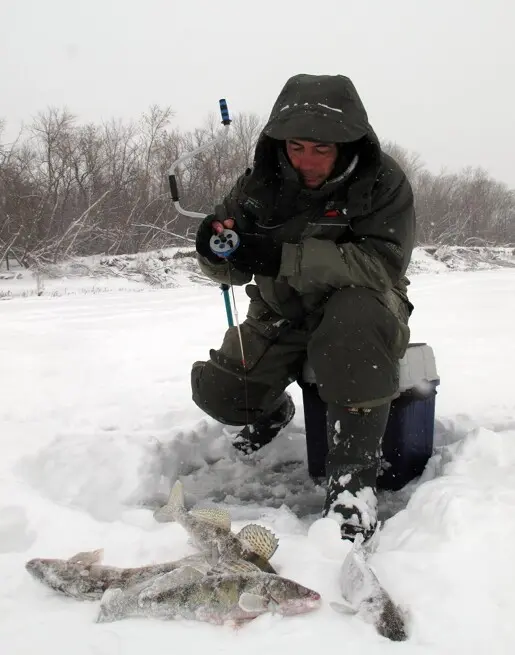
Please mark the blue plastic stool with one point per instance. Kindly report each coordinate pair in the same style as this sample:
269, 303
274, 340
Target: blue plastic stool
408, 439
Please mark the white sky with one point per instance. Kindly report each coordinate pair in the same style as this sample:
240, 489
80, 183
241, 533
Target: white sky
436, 76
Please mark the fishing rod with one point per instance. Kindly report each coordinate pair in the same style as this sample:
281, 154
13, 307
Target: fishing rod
226, 241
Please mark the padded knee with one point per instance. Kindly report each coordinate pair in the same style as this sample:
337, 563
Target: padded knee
355, 350
227, 396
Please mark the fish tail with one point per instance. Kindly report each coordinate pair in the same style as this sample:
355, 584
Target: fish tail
174, 505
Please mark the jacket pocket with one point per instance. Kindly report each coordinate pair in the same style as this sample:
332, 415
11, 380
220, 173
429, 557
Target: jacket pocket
398, 330
401, 342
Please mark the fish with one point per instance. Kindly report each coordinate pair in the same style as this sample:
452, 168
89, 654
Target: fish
222, 596
364, 596
210, 529
83, 577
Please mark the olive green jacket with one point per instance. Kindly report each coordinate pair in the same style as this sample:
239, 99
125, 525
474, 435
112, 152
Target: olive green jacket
358, 229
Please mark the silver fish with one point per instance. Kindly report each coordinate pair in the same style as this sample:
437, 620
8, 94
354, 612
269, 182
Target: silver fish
210, 529
84, 578
215, 598
364, 596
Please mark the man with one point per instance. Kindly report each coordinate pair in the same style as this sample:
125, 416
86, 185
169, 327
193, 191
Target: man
326, 226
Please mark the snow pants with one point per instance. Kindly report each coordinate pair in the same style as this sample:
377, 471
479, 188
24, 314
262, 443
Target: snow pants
353, 344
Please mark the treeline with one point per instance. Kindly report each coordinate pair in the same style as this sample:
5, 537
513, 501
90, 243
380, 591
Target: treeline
71, 189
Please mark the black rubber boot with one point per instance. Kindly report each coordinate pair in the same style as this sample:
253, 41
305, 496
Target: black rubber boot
255, 436
352, 467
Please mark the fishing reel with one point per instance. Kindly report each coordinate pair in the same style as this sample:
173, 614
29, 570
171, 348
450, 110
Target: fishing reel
224, 243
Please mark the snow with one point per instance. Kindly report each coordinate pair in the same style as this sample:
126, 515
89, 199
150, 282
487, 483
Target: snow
96, 418
320, 104
365, 500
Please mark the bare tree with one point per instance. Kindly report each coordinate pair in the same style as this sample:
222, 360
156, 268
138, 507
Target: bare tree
68, 189
410, 162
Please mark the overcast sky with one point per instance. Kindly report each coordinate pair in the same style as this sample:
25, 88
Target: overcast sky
436, 76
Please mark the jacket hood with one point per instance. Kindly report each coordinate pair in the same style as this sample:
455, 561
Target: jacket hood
323, 108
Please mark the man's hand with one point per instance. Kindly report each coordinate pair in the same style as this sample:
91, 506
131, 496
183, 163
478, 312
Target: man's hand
257, 254
209, 226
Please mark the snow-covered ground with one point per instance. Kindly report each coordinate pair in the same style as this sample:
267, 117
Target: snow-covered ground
95, 405
176, 267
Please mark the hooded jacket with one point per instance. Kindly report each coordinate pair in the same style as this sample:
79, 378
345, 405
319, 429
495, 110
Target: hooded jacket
357, 229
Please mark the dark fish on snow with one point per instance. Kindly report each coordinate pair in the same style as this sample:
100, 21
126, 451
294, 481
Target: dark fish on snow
364, 595
238, 595
83, 577
210, 529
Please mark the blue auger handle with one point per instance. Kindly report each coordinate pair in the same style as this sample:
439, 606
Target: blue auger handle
233, 237
224, 111
226, 242
227, 301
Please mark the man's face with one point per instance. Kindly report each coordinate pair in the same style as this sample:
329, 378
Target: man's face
312, 160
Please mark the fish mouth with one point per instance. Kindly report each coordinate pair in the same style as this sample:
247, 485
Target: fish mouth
36, 568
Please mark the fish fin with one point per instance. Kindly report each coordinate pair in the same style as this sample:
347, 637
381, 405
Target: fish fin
190, 574
184, 575
148, 589
198, 561
88, 557
110, 605
214, 515
260, 540
226, 567
213, 556
252, 602
174, 504
343, 608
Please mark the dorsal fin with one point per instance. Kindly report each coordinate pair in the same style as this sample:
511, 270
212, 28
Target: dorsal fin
184, 575
260, 540
219, 517
88, 557
232, 566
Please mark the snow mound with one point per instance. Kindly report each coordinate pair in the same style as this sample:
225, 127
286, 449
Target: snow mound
98, 475
177, 267
104, 475
465, 477
16, 534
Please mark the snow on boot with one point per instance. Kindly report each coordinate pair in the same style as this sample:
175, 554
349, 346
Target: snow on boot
353, 464
255, 436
